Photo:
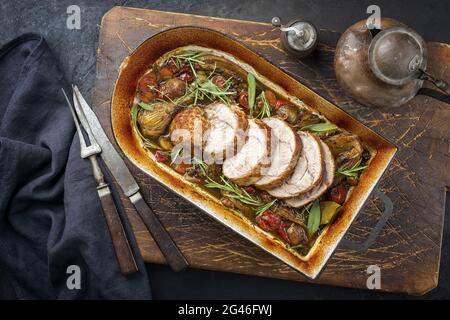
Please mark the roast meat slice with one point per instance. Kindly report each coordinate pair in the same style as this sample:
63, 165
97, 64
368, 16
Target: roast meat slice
226, 135
245, 167
327, 181
286, 148
308, 171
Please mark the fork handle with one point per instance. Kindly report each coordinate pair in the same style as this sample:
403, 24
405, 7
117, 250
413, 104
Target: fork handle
169, 249
124, 255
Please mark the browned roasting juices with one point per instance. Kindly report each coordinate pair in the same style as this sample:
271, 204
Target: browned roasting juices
272, 159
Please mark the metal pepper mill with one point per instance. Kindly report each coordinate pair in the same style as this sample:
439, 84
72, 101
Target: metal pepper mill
299, 38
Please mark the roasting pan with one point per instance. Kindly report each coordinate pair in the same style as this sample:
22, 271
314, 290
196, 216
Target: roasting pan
133, 67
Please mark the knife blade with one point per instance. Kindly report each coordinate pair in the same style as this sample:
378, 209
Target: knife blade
112, 159
128, 184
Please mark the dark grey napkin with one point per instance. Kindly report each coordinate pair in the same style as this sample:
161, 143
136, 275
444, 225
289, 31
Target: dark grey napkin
50, 214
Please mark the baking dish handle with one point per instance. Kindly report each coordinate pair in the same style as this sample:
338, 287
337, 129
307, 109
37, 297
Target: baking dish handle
385, 215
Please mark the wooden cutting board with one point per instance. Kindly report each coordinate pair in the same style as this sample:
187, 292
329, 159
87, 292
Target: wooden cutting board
407, 248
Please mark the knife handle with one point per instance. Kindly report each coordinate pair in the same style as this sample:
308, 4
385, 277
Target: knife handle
169, 249
124, 255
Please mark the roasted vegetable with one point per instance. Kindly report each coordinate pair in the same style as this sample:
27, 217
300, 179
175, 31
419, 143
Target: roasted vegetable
290, 214
271, 97
329, 210
161, 156
307, 118
338, 193
165, 143
172, 89
243, 99
236, 204
219, 81
282, 232
296, 234
346, 149
165, 73
147, 85
154, 121
268, 221
289, 113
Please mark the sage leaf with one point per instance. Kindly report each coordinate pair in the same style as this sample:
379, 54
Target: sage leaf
314, 218
320, 127
251, 92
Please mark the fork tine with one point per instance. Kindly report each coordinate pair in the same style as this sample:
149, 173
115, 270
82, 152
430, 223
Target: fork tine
83, 120
77, 124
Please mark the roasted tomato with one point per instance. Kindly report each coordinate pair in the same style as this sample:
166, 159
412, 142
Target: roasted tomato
271, 97
165, 73
160, 157
282, 231
280, 103
147, 96
219, 81
243, 99
172, 66
186, 76
249, 189
181, 168
268, 221
149, 80
338, 194
146, 86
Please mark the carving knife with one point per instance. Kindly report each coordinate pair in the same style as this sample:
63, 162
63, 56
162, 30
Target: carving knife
130, 188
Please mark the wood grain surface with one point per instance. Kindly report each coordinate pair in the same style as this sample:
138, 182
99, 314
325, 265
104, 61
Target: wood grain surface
408, 247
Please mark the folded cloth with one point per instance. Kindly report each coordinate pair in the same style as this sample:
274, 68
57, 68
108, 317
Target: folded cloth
52, 229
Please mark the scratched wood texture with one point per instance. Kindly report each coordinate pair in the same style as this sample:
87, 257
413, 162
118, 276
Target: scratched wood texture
408, 248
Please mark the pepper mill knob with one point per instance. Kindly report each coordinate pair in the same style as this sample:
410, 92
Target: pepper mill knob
299, 38
276, 22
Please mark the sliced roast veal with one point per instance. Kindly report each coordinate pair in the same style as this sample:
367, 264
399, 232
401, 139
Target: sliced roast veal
308, 171
227, 131
245, 167
286, 148
327, 181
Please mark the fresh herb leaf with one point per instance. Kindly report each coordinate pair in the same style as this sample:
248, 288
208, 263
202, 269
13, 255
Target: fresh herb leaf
251, 92
265, 110
351, 172
314, 218
197, 163
175, 155
209, 90
134, 114
187, 56
265, 207
146, 106
234, 191
320, 127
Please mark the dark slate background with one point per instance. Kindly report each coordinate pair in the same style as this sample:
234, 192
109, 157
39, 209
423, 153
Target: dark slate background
76, 50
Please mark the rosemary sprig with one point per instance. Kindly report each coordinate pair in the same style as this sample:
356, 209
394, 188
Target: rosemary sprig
234, 191
188, 56
351, 172
209, 90
265, 110
197, 163
178, 153
302, 215
265, 207
320, 127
